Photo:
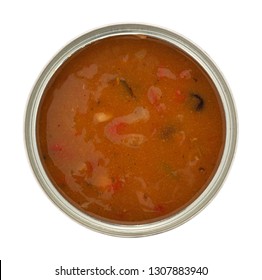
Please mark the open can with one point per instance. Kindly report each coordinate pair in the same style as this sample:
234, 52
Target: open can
133, 230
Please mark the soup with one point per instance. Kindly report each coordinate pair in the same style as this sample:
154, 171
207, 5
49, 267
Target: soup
130, 129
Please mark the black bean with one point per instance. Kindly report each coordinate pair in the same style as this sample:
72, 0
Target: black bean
127, 87
197, 102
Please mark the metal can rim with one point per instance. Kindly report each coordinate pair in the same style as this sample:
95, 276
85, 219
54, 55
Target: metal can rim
230, 142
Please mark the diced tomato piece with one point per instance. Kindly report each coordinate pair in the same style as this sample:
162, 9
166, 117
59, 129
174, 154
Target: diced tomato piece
161, 107
163, 72
154, 95
120, 127
185, 74
180, 97
159, 208
116, 185
56, 148
117, 128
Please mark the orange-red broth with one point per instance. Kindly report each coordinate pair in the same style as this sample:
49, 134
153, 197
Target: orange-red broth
130, 129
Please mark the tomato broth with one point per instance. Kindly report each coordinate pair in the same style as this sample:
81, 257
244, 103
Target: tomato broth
130, 129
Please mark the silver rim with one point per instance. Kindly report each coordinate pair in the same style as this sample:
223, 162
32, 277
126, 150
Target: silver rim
227, 157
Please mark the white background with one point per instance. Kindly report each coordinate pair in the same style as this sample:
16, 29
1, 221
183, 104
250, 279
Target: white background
36, 237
